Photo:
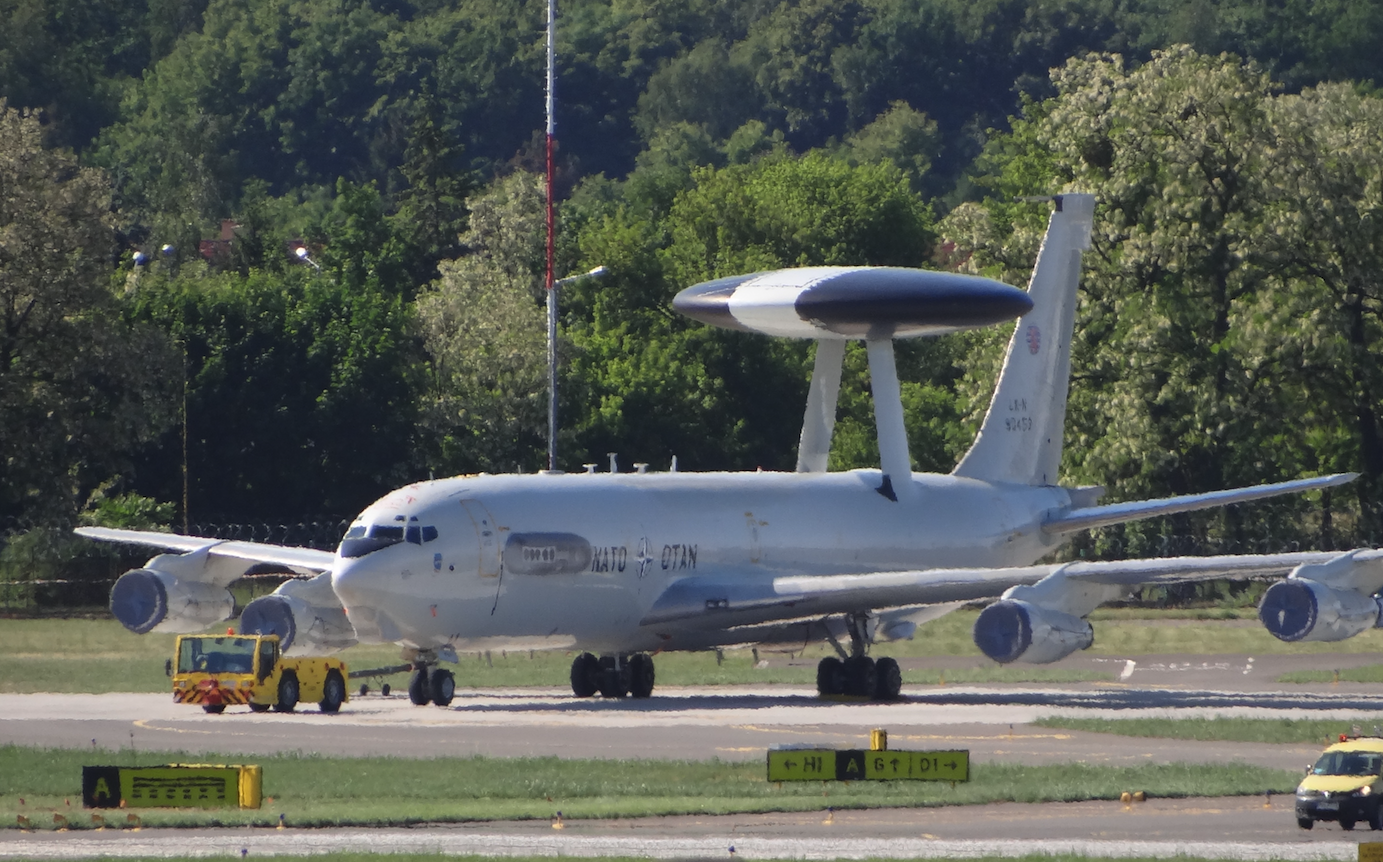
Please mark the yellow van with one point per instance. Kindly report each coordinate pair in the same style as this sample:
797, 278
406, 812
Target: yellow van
1344, 785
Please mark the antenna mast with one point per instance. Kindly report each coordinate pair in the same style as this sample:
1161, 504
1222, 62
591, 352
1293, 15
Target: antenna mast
551, 242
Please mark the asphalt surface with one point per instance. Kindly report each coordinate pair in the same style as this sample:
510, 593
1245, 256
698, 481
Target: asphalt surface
738, 723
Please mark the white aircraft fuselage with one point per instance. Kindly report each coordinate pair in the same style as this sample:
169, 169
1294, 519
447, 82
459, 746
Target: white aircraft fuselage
578, 561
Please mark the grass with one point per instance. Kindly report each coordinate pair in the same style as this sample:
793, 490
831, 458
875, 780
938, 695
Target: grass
376, 791
1273, 731
1368, 673
84, 655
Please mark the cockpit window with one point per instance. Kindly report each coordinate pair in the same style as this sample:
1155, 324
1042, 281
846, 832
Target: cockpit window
418, 535
378, 536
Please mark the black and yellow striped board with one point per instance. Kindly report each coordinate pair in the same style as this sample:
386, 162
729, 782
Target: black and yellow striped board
173, 786
829, 764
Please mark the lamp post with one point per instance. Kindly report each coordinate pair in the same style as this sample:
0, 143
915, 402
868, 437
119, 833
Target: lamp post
552, 360
302, 254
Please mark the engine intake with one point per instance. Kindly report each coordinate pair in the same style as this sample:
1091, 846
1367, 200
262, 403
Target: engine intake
306, 616
1300, 609
144, 600
1011, 630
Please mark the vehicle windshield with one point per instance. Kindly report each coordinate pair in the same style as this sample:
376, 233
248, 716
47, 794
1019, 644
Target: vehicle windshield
360, 541
217, 655
1348, 763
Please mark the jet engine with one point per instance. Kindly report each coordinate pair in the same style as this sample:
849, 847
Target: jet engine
1299, 609
175, 593
1327, 601
1010, 630
306, 615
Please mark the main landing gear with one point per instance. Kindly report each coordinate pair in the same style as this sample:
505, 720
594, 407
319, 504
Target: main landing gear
854, 673
612, 675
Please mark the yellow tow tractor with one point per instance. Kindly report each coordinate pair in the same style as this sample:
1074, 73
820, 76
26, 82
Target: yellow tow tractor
216, 671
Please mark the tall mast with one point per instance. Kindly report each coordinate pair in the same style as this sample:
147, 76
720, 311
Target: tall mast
549, 281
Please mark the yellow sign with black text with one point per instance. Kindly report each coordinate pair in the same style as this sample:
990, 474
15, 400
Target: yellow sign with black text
1371, 851
825, 764
173, 786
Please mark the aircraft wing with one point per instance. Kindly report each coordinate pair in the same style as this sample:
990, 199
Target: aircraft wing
1118, 513
298, 559
725, 600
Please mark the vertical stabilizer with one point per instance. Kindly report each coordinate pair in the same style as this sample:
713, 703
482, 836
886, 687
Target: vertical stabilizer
1020, 440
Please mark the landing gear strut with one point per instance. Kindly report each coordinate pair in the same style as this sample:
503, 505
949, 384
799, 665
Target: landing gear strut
612, 675
855, 673
429, 683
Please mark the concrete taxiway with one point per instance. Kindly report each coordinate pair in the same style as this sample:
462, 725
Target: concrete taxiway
738, 723
1227, 828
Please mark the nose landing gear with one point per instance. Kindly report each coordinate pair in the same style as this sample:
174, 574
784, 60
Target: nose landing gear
429, 683
612, 675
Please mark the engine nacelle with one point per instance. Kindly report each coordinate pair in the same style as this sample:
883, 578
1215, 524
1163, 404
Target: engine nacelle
148, 599
306, 615
1300, 609
1011, 630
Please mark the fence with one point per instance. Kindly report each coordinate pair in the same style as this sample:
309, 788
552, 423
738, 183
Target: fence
48, 571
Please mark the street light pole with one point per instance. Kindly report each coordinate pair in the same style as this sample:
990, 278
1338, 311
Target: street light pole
552, 359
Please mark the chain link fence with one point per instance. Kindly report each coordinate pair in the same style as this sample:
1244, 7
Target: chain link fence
48, 571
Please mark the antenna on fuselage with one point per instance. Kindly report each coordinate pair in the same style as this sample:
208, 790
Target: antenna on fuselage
836, 304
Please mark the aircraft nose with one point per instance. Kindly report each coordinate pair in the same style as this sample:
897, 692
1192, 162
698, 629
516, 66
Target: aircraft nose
353, 583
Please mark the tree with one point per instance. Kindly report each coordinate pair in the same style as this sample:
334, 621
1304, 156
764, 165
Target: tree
1231, 281
79, 387
300, 399
483, 328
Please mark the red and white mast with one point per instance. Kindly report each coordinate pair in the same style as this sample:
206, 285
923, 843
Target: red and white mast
549, 280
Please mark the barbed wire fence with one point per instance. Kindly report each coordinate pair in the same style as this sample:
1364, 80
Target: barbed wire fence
49, 571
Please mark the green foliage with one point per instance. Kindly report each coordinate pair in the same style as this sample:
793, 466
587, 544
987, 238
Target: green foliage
485, 336
1219, 205
79, 387
287, 375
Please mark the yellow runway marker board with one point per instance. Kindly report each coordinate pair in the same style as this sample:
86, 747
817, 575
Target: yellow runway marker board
824, 764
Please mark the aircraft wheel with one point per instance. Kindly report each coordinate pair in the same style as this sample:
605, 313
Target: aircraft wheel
385, 689
889, 679
583, 671
641, 675
1305, 822
1347, 825
259, 707
443, 687
214, 708
418, 690
830, 676
288, 692
333, 692
613, 678
861, 676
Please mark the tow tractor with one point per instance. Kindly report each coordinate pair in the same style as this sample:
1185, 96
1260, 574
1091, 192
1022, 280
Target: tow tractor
216, 671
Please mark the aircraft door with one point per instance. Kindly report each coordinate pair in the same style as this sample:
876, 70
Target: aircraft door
487, 533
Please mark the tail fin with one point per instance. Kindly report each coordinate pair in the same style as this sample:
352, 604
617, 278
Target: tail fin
1020, 440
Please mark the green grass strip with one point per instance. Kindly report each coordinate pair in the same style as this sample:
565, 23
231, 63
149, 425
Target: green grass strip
1276, 731
1368, 673
376, 791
